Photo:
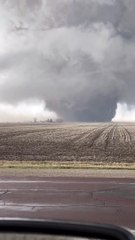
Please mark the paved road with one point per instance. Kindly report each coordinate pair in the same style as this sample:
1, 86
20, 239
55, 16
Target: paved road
69, 198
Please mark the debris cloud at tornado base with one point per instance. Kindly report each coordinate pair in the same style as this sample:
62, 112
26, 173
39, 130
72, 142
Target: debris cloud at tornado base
77, 56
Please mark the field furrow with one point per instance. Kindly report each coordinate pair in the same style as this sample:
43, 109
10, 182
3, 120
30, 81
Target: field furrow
112, 142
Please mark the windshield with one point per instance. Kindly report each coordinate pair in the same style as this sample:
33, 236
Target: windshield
67, 110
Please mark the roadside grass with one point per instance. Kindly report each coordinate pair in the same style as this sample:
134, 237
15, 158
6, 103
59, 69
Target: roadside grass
65, 165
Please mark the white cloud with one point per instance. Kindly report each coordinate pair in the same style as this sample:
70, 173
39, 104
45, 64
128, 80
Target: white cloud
124, 113
25, 111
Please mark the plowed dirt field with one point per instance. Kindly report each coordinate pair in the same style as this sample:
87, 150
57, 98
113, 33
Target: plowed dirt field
68, 142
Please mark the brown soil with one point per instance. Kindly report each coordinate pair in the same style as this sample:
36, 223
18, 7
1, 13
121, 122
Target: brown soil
68, 142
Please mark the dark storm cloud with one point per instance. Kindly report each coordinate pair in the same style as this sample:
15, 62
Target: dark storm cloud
77, 55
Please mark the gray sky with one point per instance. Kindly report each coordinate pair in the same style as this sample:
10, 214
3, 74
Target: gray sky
77, 56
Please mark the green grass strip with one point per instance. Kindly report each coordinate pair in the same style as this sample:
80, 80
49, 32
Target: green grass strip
65, 165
